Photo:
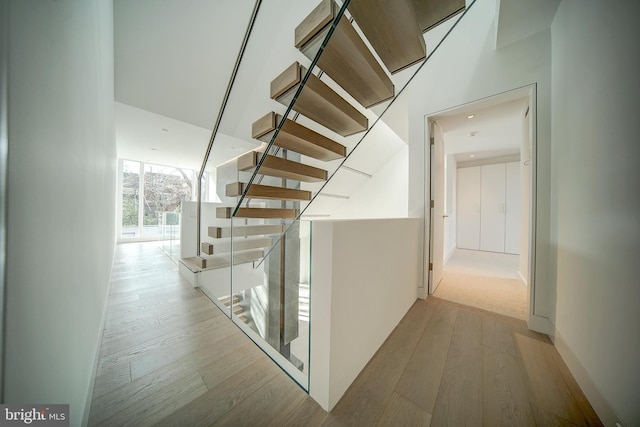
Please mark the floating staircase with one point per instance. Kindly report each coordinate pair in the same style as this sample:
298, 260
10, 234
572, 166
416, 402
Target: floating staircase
395, 32
263, 189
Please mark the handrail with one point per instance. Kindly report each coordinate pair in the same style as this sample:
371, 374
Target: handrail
366, 132
214, 132
301, 85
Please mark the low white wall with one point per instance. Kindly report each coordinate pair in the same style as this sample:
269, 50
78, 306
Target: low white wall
364, 276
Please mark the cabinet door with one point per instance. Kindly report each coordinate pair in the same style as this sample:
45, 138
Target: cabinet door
492, 210
512, 226
468, 208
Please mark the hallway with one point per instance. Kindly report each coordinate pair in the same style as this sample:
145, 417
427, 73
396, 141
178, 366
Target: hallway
170, 357
485, 280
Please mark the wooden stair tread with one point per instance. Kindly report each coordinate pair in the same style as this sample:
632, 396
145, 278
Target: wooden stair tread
200, 263
228, 300
434, 12
318, 102
257, 213
281, 168
392, 29
346, 58
194, 263
240, 244
206, 248
259, 191
221, 261
295, 137
245, 230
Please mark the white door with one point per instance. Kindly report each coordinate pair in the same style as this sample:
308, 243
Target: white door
468, 208
437, 211
512, 200
492, 211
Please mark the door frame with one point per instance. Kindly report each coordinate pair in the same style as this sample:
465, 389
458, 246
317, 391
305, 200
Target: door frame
530, 92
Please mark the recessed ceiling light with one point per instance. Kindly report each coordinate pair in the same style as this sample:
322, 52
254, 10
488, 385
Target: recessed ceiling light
472, 155
154, 149
474, 133
165, 130
471, 116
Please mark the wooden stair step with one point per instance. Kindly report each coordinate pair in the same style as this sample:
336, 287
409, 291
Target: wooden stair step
392, 29
206, 248
221, 261
194, 263
295, 137
245, 230
237, 309
346, 58
281, 168
228, 301
434, 12
257, 213
241, 244
259, 191
199, 263
318, 102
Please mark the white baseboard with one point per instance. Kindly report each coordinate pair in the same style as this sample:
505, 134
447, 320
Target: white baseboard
448, 256
539, 324
598, 402
96, 359
522, 279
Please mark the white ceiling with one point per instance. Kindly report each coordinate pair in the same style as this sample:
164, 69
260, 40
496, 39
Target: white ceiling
494, 130
174, 58
152, 138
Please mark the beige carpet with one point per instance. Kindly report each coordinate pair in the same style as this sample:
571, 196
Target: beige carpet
484, 280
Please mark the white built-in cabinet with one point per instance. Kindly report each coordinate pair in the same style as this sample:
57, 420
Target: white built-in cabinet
488, 207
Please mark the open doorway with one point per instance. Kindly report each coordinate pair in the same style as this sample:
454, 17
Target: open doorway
481, 203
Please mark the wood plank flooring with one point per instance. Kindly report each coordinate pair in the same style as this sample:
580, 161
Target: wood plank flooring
169, 357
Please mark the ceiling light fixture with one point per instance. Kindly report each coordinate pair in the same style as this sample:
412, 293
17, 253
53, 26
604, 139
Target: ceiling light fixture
474, 133
165, 130
472, 155
154, 149
471, 116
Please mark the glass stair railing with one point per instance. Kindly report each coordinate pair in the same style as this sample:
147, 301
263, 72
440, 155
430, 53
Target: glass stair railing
305, 122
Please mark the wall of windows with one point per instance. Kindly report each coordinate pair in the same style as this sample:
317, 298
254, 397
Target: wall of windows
150, 199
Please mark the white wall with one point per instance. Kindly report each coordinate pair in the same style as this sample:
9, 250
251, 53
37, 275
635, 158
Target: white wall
468, 68
62, 178
362, 284
384, 195
596, 200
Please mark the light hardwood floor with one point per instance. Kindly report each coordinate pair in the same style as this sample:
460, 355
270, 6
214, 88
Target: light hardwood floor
169, 357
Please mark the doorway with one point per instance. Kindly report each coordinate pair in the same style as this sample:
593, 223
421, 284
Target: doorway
481, 192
